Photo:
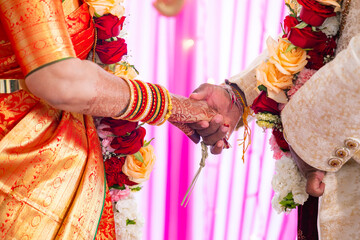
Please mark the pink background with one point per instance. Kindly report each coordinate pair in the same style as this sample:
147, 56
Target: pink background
232, 199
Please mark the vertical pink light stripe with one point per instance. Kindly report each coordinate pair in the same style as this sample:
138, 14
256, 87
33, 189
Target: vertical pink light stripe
233, 30
178, 219
283, 229
151, 182
243, 65
259, 182
282, 14
268, 219
246, 31
263, 24
212, 227
229, 202
246, 183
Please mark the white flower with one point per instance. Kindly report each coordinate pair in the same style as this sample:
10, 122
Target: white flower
288, 179
128, 221
330, 26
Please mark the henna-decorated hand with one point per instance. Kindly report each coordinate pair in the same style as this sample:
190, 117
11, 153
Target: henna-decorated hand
186, 111
223, 124
314, 185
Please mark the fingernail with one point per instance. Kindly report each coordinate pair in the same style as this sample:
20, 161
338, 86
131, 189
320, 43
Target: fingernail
224, 129
219, 144
217, 119
204, 124
226, 125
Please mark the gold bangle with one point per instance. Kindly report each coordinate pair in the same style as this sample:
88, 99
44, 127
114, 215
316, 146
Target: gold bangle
148, 104
170, 107
132, 99
158, 104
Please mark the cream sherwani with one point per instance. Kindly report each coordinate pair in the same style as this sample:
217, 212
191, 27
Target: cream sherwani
322, 124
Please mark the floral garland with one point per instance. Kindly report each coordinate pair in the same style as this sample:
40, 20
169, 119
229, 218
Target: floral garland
128, 158
308, 42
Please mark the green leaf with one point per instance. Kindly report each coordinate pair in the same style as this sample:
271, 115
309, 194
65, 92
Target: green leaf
130, 222
314, 29
116, 186
288, 202
286, 40
301, 25
147, 143
290, 47
140, 124
136, 189
290, 8
112, 67
139, 157
137, 72
262, 88
282, 28
97, 15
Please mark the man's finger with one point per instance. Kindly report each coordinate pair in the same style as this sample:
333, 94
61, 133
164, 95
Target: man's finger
199, 125
201, 93
195, 138
217, 148
218, 135
213, 127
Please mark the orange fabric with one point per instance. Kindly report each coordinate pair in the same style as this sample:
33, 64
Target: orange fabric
106, 229
79, 26
37, 32
52, 182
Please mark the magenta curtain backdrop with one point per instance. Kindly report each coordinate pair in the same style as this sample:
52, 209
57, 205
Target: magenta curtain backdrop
209, 41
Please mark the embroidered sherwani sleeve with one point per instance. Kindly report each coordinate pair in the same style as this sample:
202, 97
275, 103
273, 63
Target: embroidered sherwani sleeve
246, 80
322, 120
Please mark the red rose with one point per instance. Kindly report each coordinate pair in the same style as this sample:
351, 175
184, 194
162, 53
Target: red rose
129, 144
108, 26
306, 37
314, 13
315, 60
119, 127
290, 22
114, 165
111, 52
280, 140
114, 175
264, 104
317, 55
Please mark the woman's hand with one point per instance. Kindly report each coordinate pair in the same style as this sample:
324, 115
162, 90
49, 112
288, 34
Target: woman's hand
187, 111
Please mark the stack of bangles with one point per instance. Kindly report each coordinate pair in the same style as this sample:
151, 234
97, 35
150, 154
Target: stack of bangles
149, 103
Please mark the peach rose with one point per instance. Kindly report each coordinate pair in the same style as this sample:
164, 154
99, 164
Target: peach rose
123, 70
294, 5
102, 7
334, 3
275, 81
137, 171
288, 62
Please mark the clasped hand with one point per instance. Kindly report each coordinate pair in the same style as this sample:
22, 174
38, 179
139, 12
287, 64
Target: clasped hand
209, 113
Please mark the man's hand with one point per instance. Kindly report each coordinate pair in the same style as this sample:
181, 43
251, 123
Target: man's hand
314, 186
222, 124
